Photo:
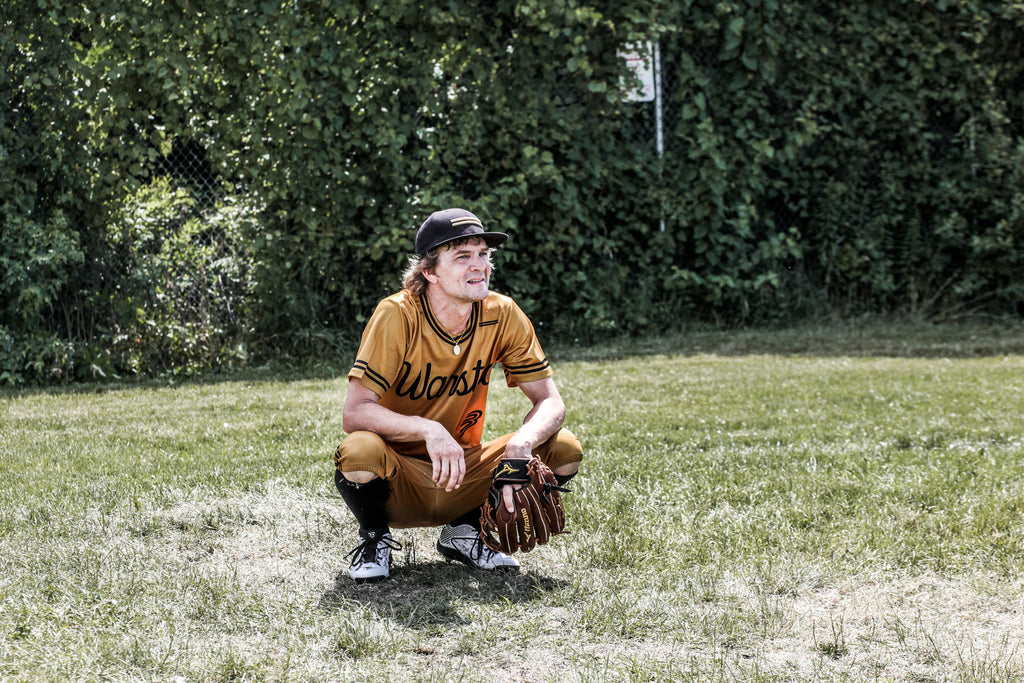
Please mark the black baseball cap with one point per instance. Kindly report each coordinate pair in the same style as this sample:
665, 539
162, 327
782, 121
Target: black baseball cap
445, 226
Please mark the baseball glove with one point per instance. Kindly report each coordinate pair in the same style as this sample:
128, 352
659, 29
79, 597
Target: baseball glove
538, 507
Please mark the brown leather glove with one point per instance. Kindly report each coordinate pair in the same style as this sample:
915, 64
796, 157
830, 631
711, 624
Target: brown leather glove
538, 507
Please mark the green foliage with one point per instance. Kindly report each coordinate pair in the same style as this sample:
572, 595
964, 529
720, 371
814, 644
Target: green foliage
852, 158
818, 160
44, 193
179, 301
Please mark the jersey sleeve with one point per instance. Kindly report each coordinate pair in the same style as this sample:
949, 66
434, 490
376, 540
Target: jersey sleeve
522, 357
382, 348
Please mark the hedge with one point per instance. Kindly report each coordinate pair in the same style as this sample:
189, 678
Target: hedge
820, 159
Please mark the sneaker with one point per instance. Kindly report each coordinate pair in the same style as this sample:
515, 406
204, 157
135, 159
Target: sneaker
371, 559
463, 544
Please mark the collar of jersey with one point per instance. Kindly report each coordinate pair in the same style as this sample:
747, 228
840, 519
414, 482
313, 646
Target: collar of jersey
438, 328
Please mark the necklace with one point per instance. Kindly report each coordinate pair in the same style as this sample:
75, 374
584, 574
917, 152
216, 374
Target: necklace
447, 337
457, 341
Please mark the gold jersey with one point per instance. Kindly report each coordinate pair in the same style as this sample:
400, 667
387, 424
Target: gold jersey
407, 358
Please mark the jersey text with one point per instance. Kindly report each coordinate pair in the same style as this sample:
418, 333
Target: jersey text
423, 385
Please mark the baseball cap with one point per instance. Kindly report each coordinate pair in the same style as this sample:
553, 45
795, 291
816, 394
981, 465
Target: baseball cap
445, 226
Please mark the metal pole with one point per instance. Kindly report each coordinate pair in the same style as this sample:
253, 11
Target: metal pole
659, 132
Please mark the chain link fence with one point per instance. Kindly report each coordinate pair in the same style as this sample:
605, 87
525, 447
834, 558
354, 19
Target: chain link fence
184, 242
180, 256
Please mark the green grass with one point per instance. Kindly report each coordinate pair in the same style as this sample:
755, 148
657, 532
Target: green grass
836, 503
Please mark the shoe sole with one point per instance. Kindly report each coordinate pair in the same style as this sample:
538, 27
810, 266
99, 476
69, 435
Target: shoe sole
454, 555
370, 579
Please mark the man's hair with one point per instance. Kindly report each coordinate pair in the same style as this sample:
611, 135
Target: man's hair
413, 279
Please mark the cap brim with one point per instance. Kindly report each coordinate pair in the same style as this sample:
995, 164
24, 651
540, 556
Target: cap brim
491, 239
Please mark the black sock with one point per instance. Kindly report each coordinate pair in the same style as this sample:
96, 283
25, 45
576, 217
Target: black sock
366, 501
471, 518
563, 479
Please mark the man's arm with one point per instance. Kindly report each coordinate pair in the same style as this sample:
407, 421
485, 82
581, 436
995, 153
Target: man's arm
543, 420
363, 412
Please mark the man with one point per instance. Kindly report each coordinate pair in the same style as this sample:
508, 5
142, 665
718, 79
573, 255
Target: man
417, 392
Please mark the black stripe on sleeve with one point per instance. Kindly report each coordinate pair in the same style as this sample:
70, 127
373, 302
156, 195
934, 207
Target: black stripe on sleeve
372, 375
527, 369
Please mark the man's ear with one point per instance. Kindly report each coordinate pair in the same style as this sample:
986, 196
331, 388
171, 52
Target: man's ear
430, 276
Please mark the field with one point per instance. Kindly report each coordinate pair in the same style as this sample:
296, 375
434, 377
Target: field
837, 503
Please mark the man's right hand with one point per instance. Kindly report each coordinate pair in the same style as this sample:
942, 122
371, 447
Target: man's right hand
448, 458
364, 412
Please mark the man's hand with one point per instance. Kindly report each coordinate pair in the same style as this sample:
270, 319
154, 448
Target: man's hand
364, 412
448, 458
537, 512
519, 447
507, 498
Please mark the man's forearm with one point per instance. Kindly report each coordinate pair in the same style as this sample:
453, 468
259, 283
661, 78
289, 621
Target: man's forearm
387, 424
541, 423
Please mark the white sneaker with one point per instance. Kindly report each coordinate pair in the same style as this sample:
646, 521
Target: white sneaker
371, 559
463, 544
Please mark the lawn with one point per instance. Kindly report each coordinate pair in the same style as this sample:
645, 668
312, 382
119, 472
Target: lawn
832, 503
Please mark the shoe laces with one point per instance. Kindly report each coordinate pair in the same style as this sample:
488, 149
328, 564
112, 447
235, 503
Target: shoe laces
366, 552
477, 550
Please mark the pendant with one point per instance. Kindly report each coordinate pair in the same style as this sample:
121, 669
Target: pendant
456, 350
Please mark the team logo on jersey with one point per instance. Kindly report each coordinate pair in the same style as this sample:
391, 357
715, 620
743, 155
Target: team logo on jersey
472, 417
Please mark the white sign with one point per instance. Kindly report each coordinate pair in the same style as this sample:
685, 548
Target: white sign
640, 61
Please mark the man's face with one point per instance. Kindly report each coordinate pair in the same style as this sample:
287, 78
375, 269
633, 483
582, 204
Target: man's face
463, 273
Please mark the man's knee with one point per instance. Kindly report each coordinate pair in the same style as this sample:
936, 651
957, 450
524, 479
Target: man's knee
564, 453
566, 470
359, 477
361, 457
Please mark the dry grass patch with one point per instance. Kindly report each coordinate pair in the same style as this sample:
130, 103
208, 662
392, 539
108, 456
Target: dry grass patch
285, 547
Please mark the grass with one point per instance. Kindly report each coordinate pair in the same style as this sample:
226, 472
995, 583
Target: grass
835, 503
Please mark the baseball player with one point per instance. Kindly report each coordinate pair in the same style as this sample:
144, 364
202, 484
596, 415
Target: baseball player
417, 393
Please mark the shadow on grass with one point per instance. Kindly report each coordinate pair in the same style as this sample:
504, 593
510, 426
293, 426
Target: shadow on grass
425, 594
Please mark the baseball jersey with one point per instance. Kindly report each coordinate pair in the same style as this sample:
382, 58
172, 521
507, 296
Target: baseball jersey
407, 358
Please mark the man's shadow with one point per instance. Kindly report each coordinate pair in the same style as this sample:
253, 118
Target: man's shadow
422, 594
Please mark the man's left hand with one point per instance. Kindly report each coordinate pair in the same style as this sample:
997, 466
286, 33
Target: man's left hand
517, 448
